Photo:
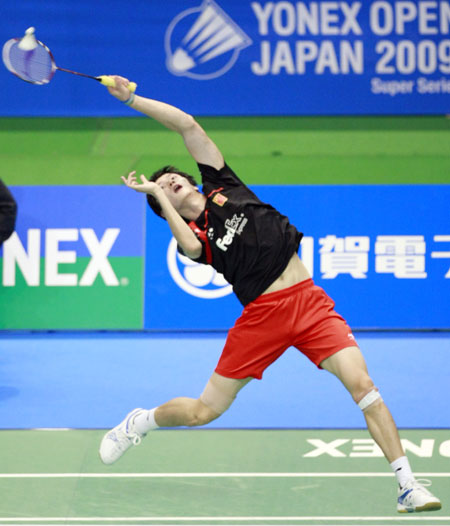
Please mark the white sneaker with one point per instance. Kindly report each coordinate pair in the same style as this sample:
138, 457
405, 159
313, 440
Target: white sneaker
413, 497
119, 439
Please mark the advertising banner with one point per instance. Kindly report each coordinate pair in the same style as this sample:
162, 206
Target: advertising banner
234, 57
381, 252
75, 260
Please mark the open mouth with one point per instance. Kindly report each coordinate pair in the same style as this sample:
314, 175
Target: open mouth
177, 187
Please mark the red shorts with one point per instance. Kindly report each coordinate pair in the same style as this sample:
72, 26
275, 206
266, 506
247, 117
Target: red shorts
302, 316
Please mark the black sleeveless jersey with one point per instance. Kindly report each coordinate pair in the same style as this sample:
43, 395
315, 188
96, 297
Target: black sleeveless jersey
246, 240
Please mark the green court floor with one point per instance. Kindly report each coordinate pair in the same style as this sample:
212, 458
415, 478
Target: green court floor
264, 150
254, 477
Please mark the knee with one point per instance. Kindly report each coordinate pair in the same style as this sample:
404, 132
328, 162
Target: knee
361, 387
201, 415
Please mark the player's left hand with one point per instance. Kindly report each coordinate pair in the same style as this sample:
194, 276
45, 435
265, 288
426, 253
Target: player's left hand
145, 187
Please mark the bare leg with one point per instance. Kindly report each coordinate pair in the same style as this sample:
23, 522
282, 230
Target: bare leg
217, 396
350, 367
184, 411
193, 411
382, 427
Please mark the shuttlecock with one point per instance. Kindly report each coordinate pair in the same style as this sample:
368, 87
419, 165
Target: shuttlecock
28, 42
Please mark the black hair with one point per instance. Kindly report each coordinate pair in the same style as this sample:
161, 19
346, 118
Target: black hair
169, 169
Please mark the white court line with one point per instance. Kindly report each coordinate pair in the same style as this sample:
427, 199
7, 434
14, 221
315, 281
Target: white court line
219, 519
214, 475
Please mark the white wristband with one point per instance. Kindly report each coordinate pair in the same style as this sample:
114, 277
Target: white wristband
130, 101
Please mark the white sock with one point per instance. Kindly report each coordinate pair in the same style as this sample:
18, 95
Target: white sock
145, 421
402, 470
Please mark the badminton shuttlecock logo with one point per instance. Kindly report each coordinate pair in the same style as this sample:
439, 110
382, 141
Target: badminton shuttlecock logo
198, 280
203, 42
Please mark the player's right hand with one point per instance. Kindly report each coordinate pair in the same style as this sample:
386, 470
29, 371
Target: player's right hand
120, 91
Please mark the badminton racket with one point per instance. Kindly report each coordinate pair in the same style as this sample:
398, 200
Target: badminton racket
32, 61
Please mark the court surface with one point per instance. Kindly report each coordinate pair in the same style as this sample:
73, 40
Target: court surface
212, 477
317, 465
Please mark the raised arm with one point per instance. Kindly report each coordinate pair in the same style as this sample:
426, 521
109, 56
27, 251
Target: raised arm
181, 231
198, 144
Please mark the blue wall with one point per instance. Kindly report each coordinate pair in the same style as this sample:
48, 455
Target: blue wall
303, 58
385, 261
378, 261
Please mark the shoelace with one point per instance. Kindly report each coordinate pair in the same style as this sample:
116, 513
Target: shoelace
425, 483
133, 435
417, 484
135, 438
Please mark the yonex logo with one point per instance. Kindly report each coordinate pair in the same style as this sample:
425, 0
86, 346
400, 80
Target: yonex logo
29, 260
203, 42
367, 447
198, 280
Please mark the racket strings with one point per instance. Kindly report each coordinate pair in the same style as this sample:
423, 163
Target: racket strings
34, 65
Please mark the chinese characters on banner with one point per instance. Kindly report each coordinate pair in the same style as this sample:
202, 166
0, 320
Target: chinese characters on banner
402, 256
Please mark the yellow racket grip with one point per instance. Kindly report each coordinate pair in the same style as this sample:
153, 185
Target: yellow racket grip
110, 82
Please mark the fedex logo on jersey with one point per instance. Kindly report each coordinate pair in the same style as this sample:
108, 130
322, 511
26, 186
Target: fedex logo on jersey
233, 226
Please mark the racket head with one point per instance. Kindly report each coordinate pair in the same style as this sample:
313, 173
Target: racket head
36, 66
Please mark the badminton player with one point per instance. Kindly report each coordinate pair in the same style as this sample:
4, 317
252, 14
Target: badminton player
255, 248
8, 213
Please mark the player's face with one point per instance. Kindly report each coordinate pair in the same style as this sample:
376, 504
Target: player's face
176, 187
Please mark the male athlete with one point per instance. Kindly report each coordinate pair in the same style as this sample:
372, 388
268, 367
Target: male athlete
8, 213
255, 247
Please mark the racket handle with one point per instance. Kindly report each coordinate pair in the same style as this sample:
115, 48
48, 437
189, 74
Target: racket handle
108, 81
132, 86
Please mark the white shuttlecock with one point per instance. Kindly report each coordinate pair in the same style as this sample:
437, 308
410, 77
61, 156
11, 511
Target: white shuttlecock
29, 41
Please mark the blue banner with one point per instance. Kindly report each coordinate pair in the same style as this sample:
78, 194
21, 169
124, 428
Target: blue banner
381, 252
75, 260
79, 213
275, 58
